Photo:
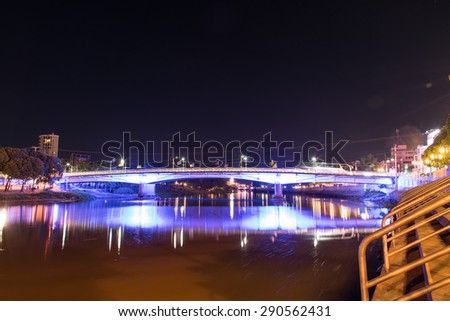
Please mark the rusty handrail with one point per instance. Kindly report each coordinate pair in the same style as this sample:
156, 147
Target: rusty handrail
435, 202
431, 193
416, 199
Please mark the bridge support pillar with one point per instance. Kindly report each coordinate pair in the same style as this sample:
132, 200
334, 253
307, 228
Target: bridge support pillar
278, 190
147, 190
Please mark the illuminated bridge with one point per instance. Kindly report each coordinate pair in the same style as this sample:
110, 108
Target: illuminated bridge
276, 176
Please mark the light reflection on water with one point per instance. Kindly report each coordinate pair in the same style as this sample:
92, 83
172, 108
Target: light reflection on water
233, 242
197, 217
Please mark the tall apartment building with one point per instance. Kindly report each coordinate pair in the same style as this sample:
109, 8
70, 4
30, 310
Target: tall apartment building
48, 144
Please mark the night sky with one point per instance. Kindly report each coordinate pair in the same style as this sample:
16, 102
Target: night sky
224, 69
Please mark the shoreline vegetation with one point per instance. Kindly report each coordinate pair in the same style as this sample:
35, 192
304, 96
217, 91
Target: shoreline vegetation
369, 198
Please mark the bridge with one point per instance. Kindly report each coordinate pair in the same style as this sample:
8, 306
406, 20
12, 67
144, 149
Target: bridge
146, 178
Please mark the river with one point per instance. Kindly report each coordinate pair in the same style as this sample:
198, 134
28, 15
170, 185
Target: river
240, 246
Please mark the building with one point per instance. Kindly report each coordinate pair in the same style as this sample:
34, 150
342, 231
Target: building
48, 144
410, 159
406, 158
76, 159
430, 137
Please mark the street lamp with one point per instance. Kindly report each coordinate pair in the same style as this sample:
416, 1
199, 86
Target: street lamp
173, 161
182, 159
314, 159
243, 159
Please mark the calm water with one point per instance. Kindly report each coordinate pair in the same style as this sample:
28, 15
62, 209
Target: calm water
243, 247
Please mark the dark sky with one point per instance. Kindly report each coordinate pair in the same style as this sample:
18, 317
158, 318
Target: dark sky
227, 70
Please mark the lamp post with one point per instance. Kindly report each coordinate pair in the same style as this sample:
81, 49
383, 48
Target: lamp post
396, 167
243, 159
182, 159
395, 160
173, 161
314, 159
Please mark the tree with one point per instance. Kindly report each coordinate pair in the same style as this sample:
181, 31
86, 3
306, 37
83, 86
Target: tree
368, 163
29, 168
4, 158
43, 158
438, 153
11, 170
25, 165
87, 166
53, 170
14, 165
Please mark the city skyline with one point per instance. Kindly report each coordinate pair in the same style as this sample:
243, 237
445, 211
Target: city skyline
225, 71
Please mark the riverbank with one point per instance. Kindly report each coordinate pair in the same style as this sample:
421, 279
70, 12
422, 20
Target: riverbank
369, 198
79, 195
47, 196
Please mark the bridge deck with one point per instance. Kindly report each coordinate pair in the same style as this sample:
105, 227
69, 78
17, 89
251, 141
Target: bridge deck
267, 175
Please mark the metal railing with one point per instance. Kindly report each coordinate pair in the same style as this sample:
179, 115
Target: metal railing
293, 170
417, 208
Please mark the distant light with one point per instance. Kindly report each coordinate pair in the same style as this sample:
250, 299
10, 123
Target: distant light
365, 216
2, 219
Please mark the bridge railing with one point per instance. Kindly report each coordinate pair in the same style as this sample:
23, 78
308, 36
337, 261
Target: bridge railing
294, 170
420, 206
